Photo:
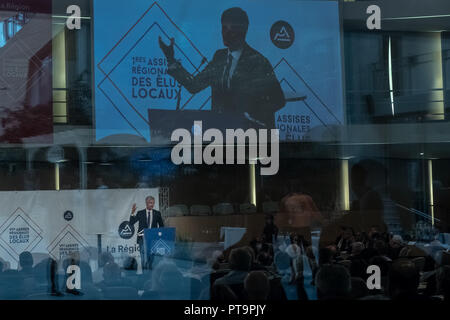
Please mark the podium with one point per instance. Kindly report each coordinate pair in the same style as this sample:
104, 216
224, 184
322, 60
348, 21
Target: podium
164, 122
159, 241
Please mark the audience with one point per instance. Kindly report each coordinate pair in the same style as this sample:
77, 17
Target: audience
408, 272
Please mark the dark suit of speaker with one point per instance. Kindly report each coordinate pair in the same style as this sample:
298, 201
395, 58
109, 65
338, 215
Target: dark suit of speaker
143, 219
253, 87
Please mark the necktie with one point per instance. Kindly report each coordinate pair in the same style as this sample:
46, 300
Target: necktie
226, 74
148, 219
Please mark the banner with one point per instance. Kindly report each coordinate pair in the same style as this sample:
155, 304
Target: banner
137, 94
59, 223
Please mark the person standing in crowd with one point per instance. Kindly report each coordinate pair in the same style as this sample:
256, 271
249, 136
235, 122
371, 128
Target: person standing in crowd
270, 232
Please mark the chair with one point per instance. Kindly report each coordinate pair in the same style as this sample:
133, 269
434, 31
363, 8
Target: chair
200, 210
120, 293
178, 210
223, 209
247, 208
270, 207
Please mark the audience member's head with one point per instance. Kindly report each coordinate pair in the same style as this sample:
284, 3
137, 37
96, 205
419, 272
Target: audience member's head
26, 260
104, 258
357, 248
333, 282
240, 259
257, 285
325, 256
403, 278
130, 264
396, 242
381, 247
111, 272
251, 252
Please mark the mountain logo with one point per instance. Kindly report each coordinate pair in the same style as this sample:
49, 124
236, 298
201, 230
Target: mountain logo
68, 215
282, 34
126, 230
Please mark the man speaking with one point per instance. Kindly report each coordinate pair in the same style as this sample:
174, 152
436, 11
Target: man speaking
241, 79
147, 218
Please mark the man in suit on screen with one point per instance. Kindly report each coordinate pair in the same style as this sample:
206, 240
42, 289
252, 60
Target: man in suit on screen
147, 218
241, 79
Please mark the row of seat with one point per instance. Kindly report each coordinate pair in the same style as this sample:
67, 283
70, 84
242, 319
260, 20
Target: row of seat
219, 209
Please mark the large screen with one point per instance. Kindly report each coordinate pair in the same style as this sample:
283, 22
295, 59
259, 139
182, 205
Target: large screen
235, 64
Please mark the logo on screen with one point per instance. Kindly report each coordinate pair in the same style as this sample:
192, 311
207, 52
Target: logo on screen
126, 231
68, 215
282, 34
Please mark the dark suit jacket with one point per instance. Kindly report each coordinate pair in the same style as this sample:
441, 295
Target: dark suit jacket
141, 217
254, 87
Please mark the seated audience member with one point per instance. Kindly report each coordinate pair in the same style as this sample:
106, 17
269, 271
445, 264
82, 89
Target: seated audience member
257, 285
112, 277
130, 264
167, 283
104, 258
443, 282
26, 263
344, 240
325, 256
240, 263
265, 255
88, 290
46, 275
359, 288
396, 245
255, 265
333, 282
403, 280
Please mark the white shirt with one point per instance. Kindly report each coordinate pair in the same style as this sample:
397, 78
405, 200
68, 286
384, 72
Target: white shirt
150, 212
236, 55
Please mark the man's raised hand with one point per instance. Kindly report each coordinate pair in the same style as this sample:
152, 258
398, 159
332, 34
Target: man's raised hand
133, 209
167, 49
